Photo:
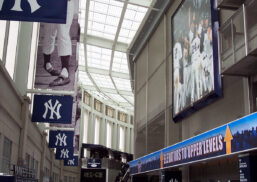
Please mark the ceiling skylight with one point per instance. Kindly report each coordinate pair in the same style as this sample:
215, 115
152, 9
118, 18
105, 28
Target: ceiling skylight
98, 57
132, 20
120, 63
107, 29
103, 18
102, 81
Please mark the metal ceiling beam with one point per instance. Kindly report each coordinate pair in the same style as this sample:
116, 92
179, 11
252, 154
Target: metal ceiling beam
104, 72
105, 43
108, 90
142, 3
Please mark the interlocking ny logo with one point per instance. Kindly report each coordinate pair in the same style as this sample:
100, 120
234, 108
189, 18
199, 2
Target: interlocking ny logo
64, 154
17, 5
71, 162
61, 140
54, 109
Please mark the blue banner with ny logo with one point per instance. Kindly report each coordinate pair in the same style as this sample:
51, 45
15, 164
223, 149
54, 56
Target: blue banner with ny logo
50, 11
52, 109
61, 139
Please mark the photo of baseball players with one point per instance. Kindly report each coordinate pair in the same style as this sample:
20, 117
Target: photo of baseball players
192, 54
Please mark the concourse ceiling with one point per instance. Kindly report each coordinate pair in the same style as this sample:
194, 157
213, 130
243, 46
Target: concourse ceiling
108, 29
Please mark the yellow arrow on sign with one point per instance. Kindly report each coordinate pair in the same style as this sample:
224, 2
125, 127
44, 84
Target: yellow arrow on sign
161, 160
228, 138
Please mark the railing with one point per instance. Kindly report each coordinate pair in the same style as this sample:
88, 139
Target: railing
238, 36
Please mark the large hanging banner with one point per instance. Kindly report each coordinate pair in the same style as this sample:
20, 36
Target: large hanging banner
61, 139
196, 78
74, 161
51, 11
52, 109
56, 56
64, 153
235, 137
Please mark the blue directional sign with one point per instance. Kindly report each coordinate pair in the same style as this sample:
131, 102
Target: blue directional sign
73, 161
64, 153
51, 11
237, 136
61, 139
52, 109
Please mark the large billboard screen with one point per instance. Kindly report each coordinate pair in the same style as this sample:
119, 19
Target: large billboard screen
196, 78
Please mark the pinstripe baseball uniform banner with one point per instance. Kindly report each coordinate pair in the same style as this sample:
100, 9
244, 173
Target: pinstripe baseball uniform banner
34, 10
56, 56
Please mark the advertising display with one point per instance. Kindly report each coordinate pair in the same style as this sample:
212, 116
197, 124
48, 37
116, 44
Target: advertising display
56, 56
235, 137
94, 163
34, 10
196, 79
61, 139
52, 109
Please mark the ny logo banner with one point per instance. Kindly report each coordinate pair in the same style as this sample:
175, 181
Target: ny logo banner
73, 161
51, 11
61, 139
52, 109
64, 153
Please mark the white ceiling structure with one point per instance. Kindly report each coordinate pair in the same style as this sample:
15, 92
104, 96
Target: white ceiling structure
108, 28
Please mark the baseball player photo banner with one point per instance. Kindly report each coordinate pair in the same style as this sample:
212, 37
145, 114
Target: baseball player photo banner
56, 65
73, 161
61, 139
34, 10
52, 109
196, 78
64, 153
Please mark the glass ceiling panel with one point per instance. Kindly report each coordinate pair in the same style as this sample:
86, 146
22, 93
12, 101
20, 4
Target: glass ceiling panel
99, 94
130, 98
117, 98
122, 84
98, 57
102, 81
103, 18
120, 63
133, 18
83, 78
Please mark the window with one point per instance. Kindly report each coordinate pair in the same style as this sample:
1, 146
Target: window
65, 179
70, 179
109, 111
109, 135
6, 160
2, 38
98, 105
36, 166
31, 166
27, 160
122, 139
12, 47
97, 130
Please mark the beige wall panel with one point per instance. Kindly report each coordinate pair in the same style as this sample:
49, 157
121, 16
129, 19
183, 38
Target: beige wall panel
8, 98
141, 107
224, 110
141, 69
156, 49
156, 93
